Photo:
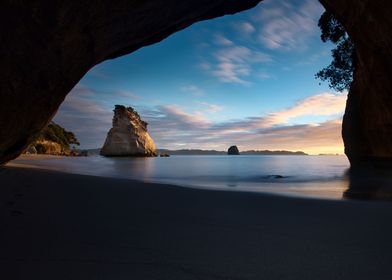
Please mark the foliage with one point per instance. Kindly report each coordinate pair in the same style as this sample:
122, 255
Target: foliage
133, 111
129, 109
55, 133
339, 73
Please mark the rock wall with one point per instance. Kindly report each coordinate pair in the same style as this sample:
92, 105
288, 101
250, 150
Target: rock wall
49, 148
367, 123
49, 45
128, 136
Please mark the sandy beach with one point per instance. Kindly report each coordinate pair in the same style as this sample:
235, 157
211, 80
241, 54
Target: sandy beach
65, 226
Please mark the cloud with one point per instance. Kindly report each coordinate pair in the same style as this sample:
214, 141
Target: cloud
326, 105
241, 54
233, 64
219, 39
175, 117
193, 89
85, 112
210, 108
324, 137
245, 27
273, 27
98, 72
229, 72
173, 127
183, 130
323, 104
205, 66
285, 27
80, 100
264, 75
127, 94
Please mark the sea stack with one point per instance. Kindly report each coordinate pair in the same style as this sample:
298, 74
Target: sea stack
128, 136
233, 150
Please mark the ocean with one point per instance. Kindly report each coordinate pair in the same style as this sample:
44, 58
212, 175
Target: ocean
295, 175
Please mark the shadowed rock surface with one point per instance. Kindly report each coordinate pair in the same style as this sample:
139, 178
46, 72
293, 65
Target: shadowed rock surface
367, 123
48, 46
233, 150
128, 136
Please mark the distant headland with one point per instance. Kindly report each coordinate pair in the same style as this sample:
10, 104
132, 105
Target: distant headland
215, 152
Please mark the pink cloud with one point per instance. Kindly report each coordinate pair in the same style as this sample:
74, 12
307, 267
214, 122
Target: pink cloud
323, 104
273, 131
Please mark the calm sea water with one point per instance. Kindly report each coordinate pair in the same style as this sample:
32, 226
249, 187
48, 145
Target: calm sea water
315, 176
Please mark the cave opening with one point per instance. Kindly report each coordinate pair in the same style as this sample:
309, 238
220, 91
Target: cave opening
220, 88
246, 80
366, 124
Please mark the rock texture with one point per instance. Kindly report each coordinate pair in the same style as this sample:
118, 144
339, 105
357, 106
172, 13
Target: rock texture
31, 150
367, 123
128, 136
233, 150
50, 148
47, 46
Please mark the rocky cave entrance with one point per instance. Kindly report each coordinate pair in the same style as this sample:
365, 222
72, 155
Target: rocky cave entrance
232, 52
63, 41
262, 62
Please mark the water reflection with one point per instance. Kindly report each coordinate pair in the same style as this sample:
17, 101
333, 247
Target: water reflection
138, 168
308, 176
370, 182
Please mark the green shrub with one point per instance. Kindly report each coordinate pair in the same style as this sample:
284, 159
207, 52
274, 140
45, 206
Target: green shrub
55, 133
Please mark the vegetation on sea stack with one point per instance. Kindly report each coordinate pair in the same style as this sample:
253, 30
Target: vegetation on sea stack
132, 110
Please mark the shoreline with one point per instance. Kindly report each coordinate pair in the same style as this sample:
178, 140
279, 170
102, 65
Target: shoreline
313, 189
67, 226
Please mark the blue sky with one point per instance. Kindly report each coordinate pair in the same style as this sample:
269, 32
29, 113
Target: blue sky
246, 79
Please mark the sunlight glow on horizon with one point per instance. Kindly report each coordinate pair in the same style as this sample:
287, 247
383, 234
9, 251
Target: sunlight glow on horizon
245, 80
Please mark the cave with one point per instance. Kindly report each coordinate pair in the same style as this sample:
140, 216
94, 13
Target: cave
48, 47
57, 226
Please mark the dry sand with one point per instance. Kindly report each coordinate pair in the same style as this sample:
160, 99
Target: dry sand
61, 226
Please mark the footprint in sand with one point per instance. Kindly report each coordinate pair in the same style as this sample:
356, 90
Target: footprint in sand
16, 213
11, 203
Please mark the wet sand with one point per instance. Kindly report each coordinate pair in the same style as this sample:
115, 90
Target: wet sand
63, 226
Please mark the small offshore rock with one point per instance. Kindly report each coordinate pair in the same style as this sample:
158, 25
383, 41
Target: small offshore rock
164, 155
233, 150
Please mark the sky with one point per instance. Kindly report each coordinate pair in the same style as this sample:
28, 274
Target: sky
245, 79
